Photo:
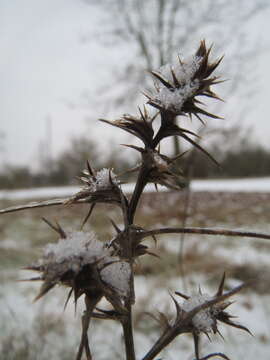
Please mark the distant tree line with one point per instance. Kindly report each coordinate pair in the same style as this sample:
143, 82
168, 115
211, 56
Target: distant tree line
240, 157
64, 169
247, 162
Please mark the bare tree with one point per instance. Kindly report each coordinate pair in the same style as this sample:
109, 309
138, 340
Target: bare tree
155, 31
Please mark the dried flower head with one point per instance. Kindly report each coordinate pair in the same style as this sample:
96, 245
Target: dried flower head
204, 320
159, 167
178, 85
83, 263
161, 172
200, 313
136, 236
98, 186
141, 127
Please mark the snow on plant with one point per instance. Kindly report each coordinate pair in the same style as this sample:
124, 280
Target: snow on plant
96, 270
83, 263
183, 76
203, 321
102, 180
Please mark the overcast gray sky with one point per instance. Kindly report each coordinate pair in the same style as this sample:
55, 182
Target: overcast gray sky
44, 66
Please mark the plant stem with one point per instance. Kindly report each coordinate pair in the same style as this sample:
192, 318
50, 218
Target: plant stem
46, 203
128, 334
161, 343
206, 231
84, 338
84, 344
140, 184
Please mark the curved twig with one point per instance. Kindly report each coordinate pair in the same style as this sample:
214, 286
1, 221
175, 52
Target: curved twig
206, 231
209, 356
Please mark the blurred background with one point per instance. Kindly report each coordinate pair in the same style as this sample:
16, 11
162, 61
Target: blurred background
66, 63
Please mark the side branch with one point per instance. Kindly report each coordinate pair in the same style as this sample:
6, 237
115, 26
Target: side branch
34, 205
206, 231
52, 202
183, 322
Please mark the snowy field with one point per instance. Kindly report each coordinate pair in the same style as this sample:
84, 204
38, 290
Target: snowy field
231, 185
43, 331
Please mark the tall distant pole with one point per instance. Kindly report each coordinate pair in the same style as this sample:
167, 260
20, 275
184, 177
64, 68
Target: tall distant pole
3, 148
48, 142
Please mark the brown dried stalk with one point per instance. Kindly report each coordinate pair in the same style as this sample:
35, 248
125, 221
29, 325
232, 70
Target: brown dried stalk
206, 231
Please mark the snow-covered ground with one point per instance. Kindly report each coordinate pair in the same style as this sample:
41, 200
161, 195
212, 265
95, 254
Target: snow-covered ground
19, 316
231, 185
46, 330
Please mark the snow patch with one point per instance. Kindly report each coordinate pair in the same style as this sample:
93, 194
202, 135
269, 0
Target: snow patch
102, 180
79, 246
174, 99
203, 320
117, 275
184, 70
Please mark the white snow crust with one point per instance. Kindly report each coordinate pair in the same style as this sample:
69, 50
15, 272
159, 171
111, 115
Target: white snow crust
184, 72
81, 246
203, 320
117, 275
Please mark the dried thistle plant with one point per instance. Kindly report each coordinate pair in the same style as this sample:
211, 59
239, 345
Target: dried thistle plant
93, 269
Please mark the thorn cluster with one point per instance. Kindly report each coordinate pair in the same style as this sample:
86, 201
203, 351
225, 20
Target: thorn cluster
177, 90
200, 313
84, 264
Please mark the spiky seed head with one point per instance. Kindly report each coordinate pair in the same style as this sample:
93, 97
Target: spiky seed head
98, 186
201, 312
83, 263
140, 126
178, 86
160, 170
203, 321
